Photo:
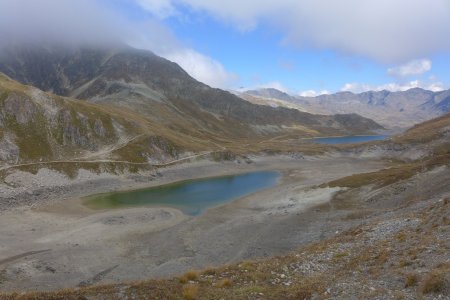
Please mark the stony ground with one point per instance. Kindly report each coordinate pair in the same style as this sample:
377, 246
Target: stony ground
406, 257
148, 242
398, 248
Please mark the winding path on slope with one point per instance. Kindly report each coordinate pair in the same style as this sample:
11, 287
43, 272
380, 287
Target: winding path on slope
106, 161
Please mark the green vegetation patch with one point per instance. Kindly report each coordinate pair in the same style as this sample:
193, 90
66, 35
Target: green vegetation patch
71, 169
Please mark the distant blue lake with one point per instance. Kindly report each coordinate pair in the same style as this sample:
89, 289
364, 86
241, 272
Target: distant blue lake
349, 139
192, 196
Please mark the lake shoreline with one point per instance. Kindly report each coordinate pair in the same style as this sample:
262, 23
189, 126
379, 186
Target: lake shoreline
346, 140
159, 242
192, 196
338, 136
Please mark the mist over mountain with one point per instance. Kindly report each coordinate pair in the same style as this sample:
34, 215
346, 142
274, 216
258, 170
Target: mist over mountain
159, 89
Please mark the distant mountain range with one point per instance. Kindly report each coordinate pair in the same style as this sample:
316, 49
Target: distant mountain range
140, 107
390, 109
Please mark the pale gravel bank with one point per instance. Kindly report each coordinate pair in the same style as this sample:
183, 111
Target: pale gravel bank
85, 247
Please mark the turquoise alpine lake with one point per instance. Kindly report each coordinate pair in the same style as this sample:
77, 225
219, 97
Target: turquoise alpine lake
192, 196
349, 139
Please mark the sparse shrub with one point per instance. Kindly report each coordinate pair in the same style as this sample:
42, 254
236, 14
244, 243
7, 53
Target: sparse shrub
382, 257
404, 263
260, 275
303, 294
434, 282
209, 271
190, 291
188, 276
411, 280
191, 275
413, 253
246, 265
340, 254
398, 295
226, 282
445, 221
223, 156
182, 279
401, 237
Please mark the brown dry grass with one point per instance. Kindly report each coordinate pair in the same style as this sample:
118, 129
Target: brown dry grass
189, 276
190, 291
411, 280
224, 283
425, 132
437, 281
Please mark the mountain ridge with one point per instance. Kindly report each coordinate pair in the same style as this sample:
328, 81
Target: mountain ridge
157, 88
39, 129
391, 109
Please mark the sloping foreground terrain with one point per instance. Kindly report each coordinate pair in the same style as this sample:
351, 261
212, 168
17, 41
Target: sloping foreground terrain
397, 248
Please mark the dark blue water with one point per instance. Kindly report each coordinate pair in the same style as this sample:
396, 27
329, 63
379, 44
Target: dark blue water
193, 196
349, 139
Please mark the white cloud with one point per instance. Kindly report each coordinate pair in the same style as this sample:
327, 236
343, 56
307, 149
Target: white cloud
159, 8
414, 67
81, 21
272, 85
313, 93
393, 87
202, 68
158, 38
87, 21
385, 30
154, 36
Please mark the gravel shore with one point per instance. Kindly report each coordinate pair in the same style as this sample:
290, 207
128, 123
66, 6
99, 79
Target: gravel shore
49, 240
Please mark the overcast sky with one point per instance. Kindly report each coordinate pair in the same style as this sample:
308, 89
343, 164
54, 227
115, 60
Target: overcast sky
305, 47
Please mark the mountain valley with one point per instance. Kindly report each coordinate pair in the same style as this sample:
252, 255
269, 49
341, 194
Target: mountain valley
350, 221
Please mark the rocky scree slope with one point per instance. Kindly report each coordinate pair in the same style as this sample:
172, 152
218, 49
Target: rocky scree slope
40, 127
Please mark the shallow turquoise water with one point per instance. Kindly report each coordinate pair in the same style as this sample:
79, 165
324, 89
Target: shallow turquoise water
349, 139
193, 196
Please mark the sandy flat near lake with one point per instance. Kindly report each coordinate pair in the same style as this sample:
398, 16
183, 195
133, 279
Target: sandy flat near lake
59, 243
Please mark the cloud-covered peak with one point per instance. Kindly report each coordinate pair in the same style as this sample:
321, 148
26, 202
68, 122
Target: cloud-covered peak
96, 22
202, 67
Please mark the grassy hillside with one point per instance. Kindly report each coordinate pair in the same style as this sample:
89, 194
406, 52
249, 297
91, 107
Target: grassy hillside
39, 127
432, 138
47, 130
435, 130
